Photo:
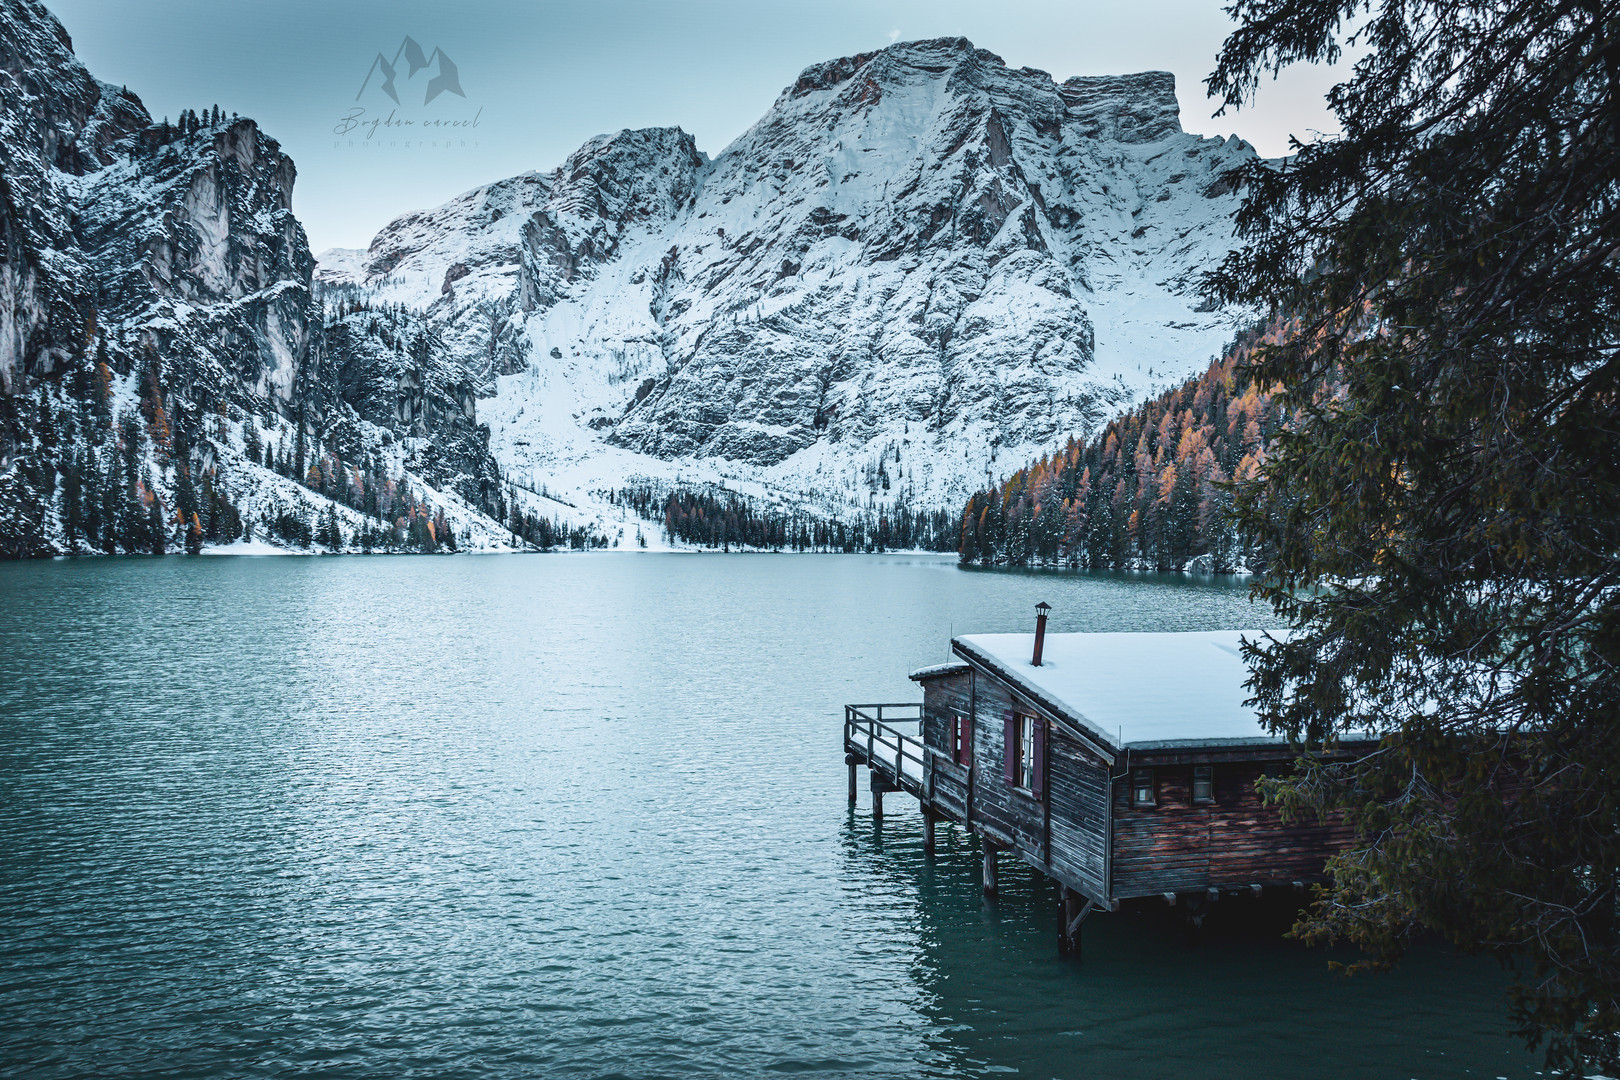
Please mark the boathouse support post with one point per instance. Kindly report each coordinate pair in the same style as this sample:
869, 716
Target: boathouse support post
928, 830
851, 761
1074, 910
1196, 906
990, 853
880, 786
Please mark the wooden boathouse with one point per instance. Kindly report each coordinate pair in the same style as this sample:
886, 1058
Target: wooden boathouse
1122, 765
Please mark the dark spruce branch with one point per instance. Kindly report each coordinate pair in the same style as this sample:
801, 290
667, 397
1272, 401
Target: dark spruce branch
1454, 505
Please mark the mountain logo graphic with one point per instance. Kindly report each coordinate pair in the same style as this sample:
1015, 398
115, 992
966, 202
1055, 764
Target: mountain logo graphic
448, 78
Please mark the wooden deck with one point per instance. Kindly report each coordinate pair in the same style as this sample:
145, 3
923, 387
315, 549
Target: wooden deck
888, 740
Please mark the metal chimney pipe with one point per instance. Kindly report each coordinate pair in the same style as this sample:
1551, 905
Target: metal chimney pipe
1040, 630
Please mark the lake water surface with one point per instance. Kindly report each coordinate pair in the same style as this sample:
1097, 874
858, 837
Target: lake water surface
563, 816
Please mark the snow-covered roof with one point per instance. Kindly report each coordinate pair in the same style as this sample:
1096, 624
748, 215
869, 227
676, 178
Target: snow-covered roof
1139, 691
934, 671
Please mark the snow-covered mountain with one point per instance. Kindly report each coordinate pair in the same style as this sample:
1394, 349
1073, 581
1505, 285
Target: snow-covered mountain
919, 267
157, 321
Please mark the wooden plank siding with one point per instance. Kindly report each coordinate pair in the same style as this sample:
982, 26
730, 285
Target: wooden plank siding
944, 698
1065, 831
948, 790
1238, 841
1077, 791
1009, 816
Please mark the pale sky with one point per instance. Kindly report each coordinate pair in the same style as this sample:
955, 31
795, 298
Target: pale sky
542, 77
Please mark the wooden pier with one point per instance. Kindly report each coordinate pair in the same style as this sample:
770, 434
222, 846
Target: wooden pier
1123, 767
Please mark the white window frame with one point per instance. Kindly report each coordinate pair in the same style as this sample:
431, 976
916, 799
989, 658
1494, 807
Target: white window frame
1137, 786
1026, 751
1209, 773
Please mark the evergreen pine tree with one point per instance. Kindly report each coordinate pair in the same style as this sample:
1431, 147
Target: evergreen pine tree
1442, 515
73, 518
154, 528
252, 444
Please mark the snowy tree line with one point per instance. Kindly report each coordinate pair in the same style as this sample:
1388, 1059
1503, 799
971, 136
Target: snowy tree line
535, 530
1152, 490
97, 468
725, 519
101, 473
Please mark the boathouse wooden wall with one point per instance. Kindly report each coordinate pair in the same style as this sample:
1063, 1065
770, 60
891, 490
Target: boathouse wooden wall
945, 697
1077, 788
1234, 842
1065, 831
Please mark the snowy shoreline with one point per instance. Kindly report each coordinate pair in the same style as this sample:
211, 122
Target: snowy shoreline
259, 548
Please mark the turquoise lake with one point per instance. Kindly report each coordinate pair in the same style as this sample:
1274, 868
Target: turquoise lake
585, 816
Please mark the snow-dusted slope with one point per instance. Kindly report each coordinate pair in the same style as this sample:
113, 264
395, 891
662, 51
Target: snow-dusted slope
918, 266
158, 326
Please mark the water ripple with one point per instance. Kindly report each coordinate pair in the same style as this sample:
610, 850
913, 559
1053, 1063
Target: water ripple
508, 817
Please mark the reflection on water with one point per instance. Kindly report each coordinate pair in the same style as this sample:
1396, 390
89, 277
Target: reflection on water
1148, 1001
584, 816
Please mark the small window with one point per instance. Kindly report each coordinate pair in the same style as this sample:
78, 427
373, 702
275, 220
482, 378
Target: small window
964, 741
1143, 790
1026, 752
1203, 786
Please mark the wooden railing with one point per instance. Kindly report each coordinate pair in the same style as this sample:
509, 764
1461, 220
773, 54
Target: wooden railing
889, 738
875, 733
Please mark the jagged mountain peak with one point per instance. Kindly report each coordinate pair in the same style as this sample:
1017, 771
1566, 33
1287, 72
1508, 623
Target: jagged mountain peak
630, 175
933, 56
1137, 107
55, 108
651, 142
916, 254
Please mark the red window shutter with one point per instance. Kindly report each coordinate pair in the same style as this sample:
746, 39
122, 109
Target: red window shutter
967, 740
1009, 739
1037, 783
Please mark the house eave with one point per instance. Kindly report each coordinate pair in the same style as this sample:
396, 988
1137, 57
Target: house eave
1096, 741
939, 671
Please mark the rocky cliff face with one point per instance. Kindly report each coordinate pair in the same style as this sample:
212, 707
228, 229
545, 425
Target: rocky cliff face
157, 319
919, 262
199, 258
57, 124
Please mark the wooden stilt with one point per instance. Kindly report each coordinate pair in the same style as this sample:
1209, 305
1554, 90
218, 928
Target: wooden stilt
880, 786
990, 853
1074, 910
852, 783
928, 830
1196, 906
